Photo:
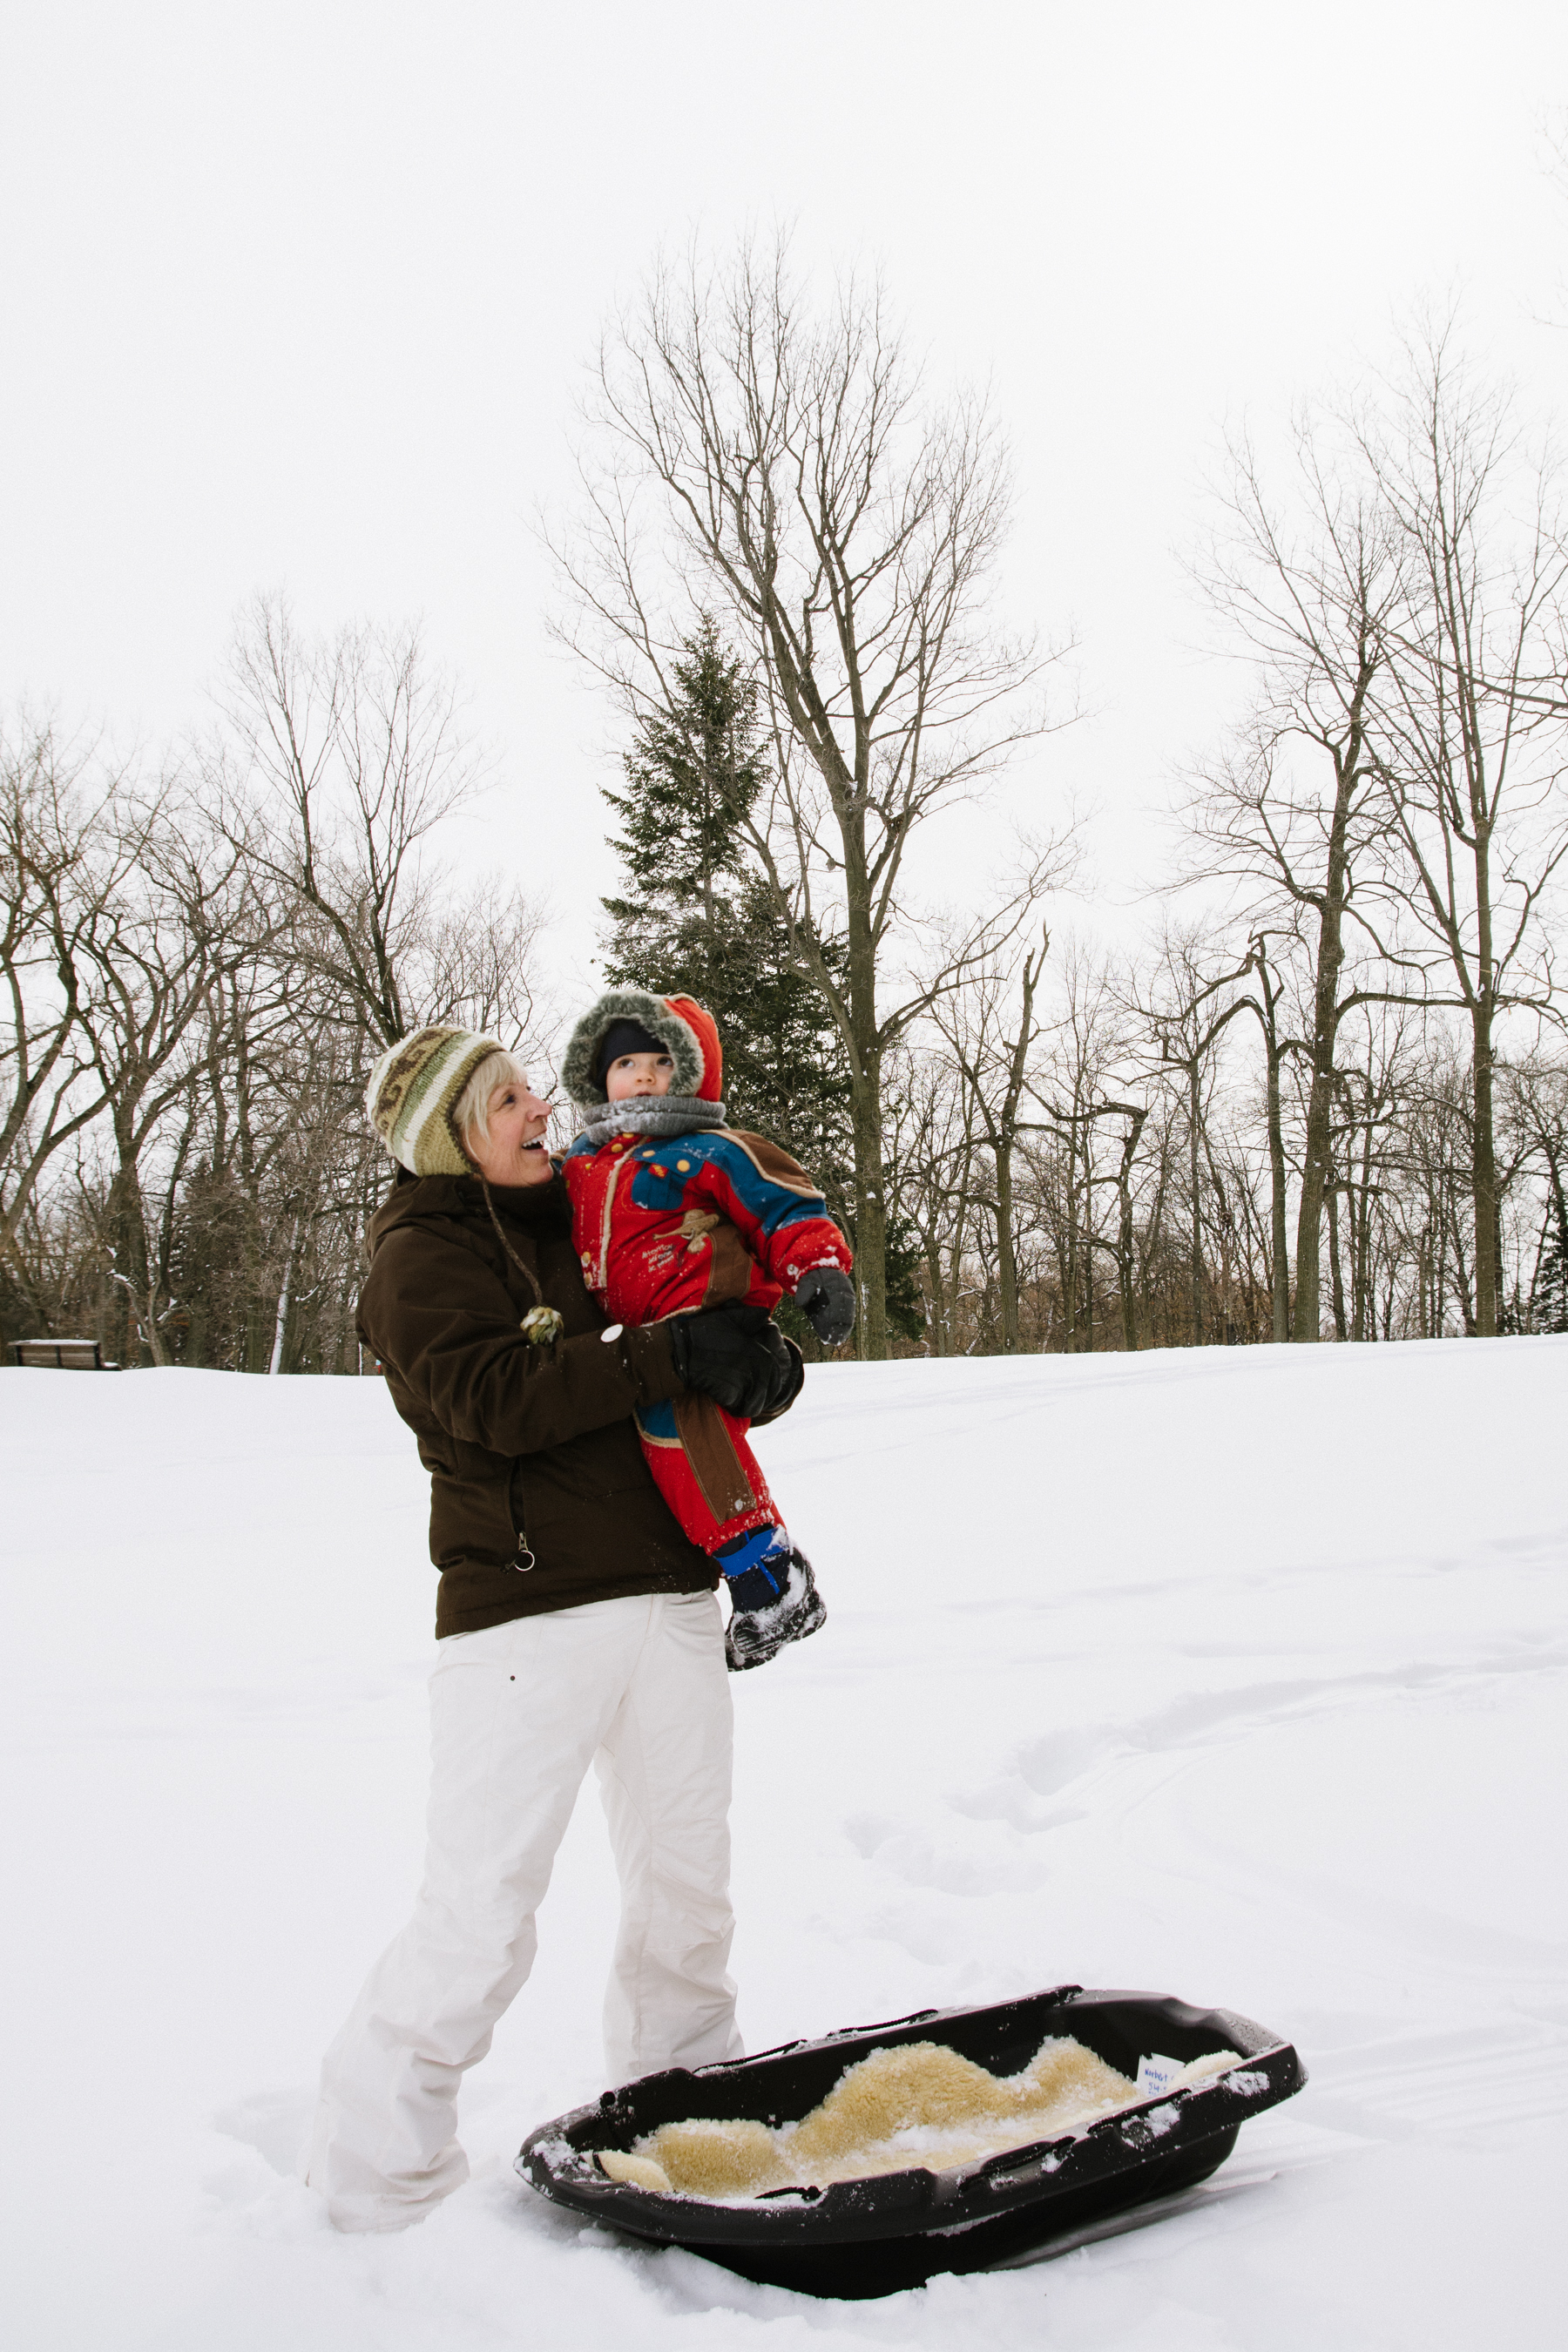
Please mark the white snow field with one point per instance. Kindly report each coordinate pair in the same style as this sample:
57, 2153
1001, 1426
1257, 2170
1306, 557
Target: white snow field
1236, 1675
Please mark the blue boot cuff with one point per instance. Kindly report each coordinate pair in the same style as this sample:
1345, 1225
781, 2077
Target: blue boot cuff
749, 1551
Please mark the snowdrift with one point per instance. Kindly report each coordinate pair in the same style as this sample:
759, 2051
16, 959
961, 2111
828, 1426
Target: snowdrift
1243, 1672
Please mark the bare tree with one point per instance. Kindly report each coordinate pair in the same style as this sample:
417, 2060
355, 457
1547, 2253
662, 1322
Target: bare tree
786, 468
1263, 998
476, 963
1374, 1076
70, 843
1312, 599
992, 1068
998, 995
1539, 1115
1472, 747
930, 1151
193, 981
1076, 1085
338, 760
1188, 1016
157, 955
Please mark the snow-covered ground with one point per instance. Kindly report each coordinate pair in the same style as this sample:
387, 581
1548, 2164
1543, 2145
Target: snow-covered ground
1233, 1674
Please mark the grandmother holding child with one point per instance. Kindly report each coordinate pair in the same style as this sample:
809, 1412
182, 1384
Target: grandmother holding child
578, 1355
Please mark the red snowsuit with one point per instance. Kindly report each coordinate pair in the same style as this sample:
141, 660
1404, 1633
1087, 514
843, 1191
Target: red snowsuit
666, 1225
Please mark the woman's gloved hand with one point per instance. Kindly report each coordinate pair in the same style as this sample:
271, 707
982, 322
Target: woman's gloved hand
791, 1380
825, 1297
734, 1355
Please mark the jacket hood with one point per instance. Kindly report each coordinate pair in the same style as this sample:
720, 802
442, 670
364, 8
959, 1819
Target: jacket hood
687, 1033
414, 1199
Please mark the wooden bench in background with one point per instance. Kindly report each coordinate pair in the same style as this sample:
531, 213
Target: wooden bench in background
61, 1355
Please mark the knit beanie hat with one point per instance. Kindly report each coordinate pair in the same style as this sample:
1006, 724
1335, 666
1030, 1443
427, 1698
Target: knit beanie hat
413, 1091
622, 1037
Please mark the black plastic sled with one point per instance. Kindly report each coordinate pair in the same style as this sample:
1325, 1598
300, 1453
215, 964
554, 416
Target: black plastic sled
862, 2238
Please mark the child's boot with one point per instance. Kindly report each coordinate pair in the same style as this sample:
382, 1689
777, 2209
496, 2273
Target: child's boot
775, 1601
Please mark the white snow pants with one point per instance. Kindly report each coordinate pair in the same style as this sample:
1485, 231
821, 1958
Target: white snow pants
517, 1713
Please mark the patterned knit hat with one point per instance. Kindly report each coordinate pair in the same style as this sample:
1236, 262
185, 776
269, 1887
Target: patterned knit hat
413, 1092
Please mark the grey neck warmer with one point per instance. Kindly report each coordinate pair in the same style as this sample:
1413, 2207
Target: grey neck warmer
655, 1115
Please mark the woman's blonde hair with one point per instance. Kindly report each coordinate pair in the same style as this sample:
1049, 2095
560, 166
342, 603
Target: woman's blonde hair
471, 1112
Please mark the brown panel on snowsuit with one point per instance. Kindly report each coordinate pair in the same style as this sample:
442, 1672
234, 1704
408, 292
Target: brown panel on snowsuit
715, 1465
730, 1268
774, 1164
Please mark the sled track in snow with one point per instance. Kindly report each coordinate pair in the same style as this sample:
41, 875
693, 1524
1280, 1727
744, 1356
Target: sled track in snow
1459, 2083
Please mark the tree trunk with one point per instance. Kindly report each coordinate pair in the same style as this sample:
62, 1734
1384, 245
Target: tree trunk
1363, 1305
939, 1317
954, 1284
866, 1109
1281, 1284
128, 1227
1007, 1256
1325, 1027
1484, 1172
1319, 1111
281, 1324
1124, 1237
870, 1224
1124, 1280
1336, 1275
1197, 1252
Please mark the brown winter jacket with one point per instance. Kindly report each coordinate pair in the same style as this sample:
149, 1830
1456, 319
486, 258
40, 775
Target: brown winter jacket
515, 1437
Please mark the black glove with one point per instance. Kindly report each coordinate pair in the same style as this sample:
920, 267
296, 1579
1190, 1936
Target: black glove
827, 1299
732, 1354
789, 1386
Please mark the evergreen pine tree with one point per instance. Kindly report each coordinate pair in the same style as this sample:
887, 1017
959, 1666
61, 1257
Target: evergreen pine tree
692, 776
1549, 1306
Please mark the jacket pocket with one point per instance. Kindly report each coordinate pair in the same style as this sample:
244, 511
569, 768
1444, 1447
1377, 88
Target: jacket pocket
471, 1519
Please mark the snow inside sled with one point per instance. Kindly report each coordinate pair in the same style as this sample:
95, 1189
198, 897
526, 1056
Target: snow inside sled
870, 2236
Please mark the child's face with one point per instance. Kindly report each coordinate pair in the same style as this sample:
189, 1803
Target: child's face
638, 1074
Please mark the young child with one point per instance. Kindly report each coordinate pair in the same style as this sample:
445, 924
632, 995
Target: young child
672, 1212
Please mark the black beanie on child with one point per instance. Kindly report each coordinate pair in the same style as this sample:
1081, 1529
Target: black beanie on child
622, 1037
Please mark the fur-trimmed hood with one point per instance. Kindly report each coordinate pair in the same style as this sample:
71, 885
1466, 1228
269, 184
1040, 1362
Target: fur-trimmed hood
683, 1028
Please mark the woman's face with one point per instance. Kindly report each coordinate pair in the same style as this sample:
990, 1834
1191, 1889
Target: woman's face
515, 1153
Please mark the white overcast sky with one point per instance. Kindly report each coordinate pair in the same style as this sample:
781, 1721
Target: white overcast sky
296, 296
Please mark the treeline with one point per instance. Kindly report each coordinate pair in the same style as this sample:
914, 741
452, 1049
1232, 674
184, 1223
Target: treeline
1149, 1221
1090, 1153
1327, 1098
201, 961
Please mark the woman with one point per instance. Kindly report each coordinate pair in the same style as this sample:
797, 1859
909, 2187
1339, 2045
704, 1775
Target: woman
576, 1622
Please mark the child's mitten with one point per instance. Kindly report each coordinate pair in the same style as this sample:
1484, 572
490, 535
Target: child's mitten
825, 1297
